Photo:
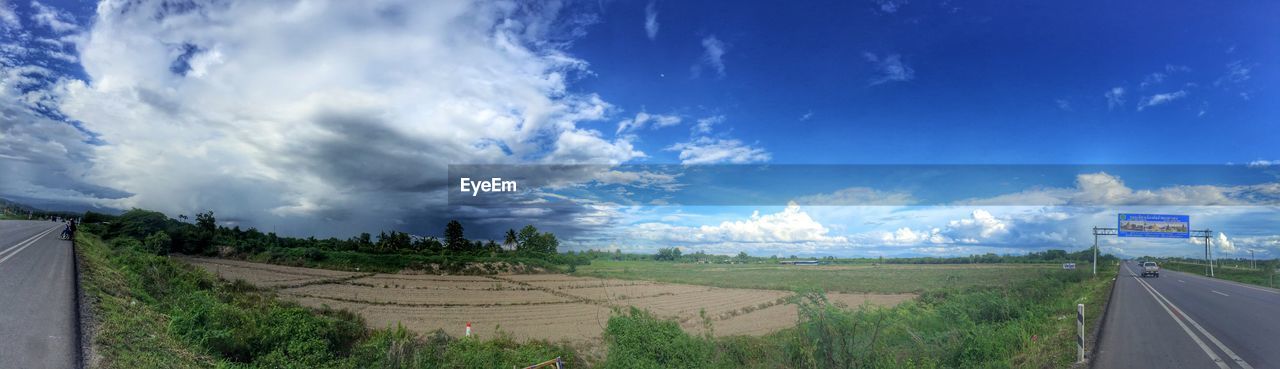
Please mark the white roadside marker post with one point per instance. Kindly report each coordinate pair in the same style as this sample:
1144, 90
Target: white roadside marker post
1080, 334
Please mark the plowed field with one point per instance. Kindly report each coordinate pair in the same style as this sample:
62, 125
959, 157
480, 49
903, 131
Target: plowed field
539, 306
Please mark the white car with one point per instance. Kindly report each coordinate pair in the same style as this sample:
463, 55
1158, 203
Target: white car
1150, 268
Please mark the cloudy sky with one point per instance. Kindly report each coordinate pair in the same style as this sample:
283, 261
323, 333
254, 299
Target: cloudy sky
337, 117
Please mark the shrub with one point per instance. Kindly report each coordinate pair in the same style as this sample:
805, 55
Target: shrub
125, 243
640, 340
157, 243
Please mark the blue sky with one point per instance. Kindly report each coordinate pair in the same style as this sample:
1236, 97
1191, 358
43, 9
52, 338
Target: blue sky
987, 75
334, 118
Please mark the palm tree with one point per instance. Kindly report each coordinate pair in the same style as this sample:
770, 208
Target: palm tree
510, 242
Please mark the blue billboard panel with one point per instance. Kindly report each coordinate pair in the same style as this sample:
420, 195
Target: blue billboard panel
1154, 225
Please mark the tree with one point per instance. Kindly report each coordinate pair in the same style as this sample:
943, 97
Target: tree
525, 239
206, 222
510, 241
454, 240
668, 254
138, 223
205, 231
547, 243
364, 242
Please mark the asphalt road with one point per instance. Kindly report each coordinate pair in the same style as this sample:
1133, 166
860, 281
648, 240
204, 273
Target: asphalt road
1182, 320
37, 297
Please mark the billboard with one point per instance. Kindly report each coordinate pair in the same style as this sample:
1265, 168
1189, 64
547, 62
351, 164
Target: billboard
1154, 225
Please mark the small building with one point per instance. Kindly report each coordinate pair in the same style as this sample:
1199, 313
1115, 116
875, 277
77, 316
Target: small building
800, 262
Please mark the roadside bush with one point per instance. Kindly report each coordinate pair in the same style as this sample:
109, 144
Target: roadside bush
235, 325
157, 243
640, 340
125, 243
831, 337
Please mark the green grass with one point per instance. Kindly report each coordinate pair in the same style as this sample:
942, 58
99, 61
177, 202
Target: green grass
1025, 323
1262, 277
130, 333
883, 278
155, 312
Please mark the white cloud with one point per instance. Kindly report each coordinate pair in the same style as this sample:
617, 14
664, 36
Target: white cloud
1222, 245
643, 119
791, 225
1161, 99
907, 236
1263, 246
1152, 79
580, 146
651, 20
980, 224
343, 112
1237, 71
889, 6
9, 16
707, 150
56, 19
806, 116
704, 124
1092, 189
858, 196
1063, 104
1264, 163
1115, 97
642, 179
889, 68
713, 51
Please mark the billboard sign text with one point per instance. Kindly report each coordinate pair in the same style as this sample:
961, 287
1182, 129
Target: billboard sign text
1154, 225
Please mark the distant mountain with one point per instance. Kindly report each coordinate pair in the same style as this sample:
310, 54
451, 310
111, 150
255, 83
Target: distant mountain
27, 205
12, 206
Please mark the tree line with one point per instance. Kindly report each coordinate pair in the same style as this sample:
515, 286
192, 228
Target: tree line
675, 254
202, 235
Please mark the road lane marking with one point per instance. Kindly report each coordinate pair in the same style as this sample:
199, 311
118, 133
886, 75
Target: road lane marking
1181, 281
1220, 293
1234, 283
1207, 350
28, 243
1211, 338
20, 243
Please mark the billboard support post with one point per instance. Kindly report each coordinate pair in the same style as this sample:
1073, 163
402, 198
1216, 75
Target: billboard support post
1095, 251
1099, 231
1208, 250
1206, 234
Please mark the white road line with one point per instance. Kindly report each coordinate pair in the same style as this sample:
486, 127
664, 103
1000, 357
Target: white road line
1211, 338
28, 243
1181, 281
1207, 350
1220, 293
1239, 284
20, 243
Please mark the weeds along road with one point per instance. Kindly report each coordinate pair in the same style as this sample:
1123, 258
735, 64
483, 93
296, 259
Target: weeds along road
37, 296
1181, 320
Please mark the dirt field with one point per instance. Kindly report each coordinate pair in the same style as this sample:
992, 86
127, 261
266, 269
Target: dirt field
539, 306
